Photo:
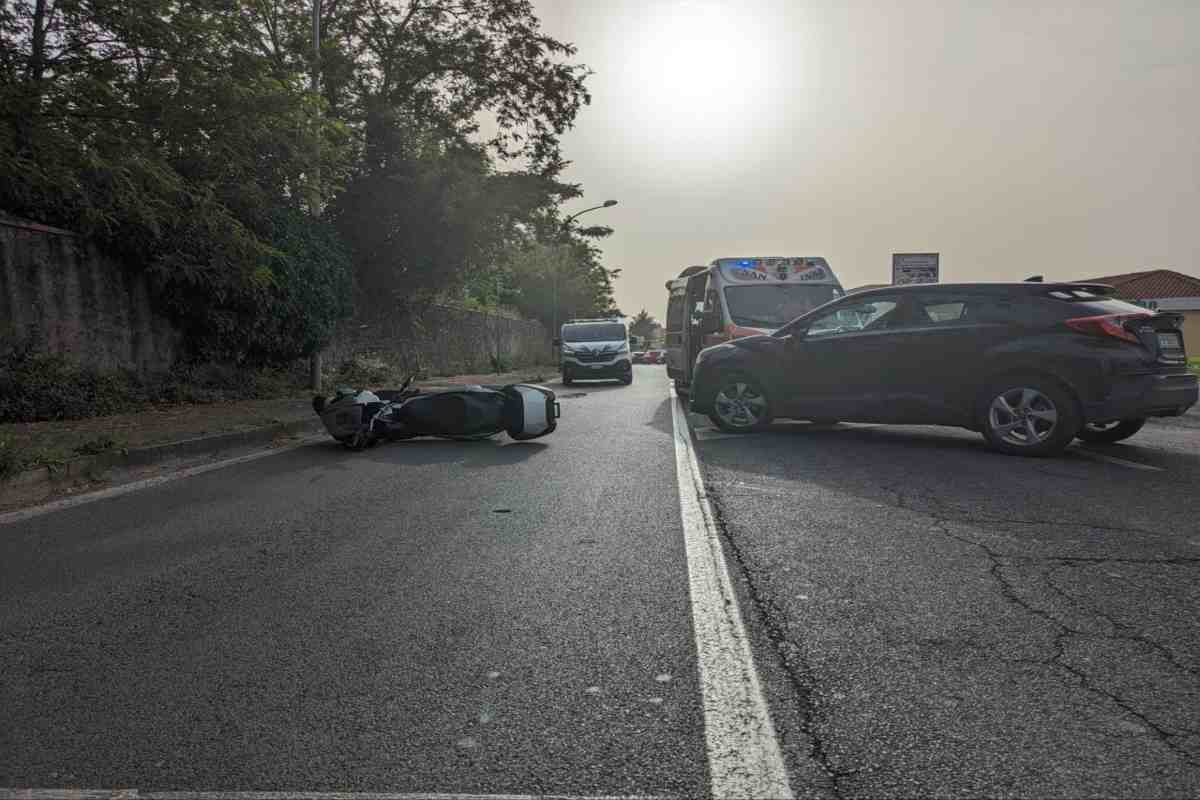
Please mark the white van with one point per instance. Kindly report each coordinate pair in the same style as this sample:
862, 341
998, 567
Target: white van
595, 348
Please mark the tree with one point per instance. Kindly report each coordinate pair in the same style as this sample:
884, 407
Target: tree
526, 275
161, 131
182, 136
425, 210
643, 325
445, 63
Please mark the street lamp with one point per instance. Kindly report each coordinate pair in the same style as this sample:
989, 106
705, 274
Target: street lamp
565, 226
605, 204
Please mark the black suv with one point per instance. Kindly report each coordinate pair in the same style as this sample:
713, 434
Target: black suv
1030, 365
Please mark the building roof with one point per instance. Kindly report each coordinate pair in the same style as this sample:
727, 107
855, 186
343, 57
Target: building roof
1152, 284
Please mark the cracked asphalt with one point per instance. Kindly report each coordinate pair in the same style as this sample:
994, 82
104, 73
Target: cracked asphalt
938, 620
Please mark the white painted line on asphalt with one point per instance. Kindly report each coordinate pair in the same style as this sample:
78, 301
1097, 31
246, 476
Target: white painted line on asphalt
1114, 460
136, 486
136, 794
744, 759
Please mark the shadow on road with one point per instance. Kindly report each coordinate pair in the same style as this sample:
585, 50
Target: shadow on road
951, 474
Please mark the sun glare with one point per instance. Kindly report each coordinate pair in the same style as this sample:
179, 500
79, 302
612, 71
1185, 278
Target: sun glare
698, 65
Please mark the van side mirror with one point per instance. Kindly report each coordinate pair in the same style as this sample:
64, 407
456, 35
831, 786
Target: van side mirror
710, 322
556, 342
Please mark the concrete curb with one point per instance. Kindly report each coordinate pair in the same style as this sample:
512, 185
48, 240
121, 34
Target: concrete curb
91, 466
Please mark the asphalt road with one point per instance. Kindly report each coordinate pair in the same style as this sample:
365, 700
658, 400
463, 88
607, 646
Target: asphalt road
960, 623
428, 616
928, 618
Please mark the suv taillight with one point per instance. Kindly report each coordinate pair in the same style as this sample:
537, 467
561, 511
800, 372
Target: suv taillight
1107, 325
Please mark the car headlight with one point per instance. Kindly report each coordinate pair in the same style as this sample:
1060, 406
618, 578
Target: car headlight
623, 349
567, 350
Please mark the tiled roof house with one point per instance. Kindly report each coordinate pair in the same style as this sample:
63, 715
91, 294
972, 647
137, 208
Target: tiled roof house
1163, 290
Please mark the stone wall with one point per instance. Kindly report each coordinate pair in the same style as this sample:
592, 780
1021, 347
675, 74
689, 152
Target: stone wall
440, 340
59, 291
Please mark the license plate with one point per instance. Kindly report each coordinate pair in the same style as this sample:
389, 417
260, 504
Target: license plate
597, 366
1170, 341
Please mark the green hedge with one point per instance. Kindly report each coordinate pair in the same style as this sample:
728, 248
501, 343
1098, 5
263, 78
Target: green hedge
36, 387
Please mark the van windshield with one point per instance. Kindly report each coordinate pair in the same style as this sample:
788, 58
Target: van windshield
593, 332
775, 305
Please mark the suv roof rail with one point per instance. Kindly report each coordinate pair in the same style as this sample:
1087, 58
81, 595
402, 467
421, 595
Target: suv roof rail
1036, 287
1091, 288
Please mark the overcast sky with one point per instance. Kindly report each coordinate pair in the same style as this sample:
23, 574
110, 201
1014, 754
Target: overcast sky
1012, 137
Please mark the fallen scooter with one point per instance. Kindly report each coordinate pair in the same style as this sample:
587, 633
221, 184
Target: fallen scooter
361, 418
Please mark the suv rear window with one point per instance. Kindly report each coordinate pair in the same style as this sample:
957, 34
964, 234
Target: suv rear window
937, 310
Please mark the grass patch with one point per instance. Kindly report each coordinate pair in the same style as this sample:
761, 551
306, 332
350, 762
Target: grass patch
499, 363
10, 460
15, 460
38, 387
364, 371
98, 445
1194, 364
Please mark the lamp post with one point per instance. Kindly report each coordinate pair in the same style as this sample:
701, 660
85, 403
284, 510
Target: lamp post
557, 258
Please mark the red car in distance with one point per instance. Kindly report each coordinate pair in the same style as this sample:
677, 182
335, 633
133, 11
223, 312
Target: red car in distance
655, 357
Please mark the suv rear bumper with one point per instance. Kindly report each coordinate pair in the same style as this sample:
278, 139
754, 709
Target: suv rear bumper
1146, 396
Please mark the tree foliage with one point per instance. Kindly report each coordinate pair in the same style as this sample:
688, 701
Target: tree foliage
184, 136
643, 325
533, 272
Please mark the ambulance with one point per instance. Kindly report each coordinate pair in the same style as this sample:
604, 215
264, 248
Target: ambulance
734, 297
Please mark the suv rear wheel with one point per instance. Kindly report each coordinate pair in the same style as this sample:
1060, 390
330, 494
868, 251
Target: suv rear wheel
1029, 416
1108, 432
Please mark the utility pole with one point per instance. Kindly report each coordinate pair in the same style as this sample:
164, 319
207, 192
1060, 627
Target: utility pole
314, 363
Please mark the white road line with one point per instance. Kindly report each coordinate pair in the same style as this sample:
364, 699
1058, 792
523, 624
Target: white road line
136, 794
1114, 460
136, 486
744, 759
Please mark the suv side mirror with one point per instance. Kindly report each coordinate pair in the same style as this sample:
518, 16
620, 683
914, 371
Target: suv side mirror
556, 342
710, 322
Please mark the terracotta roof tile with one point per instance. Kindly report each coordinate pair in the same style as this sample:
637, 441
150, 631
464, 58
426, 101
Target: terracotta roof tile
1152, 284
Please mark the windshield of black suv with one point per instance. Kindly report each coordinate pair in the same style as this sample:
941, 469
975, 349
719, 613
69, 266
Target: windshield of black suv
593, 332
775, 305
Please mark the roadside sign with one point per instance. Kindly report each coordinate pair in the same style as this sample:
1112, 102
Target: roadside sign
914, 268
